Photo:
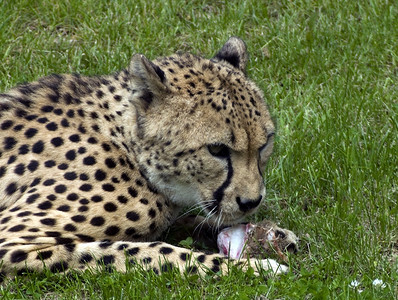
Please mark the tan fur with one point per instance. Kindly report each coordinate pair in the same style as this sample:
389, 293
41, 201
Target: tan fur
115, 158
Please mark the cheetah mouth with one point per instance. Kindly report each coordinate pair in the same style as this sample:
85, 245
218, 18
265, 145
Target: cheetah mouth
218, 216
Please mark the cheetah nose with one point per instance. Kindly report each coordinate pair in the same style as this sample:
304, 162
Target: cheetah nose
248, 204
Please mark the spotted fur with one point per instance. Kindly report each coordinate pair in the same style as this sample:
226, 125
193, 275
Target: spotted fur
94, 169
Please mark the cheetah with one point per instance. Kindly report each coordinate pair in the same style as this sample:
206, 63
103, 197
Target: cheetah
94, 169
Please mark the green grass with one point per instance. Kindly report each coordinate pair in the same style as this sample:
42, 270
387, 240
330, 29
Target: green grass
329, 70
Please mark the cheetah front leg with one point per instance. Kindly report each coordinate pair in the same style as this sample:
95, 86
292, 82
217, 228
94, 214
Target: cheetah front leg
156, 256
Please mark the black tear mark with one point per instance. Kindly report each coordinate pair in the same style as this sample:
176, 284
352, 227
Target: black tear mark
219, 193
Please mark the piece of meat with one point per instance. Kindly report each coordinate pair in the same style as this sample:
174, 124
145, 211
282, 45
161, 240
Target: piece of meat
258, 241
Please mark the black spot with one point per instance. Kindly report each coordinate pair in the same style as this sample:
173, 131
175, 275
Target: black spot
167, 267
86, 187
85, 258
24, 149
184, 256
19, 169
57, 141
65, 123
70, 155
18, 127
106, 147
9, 143
64, 208
47, 108
70, 175
201, 258
75, 138
38, 147
52, 126
84, 201
215, 269
45, 205
152, 213
12, 159
125, 177
82, 129
82, 150
17, 228
72, 197
130, 231
63, 241
165, 250
2, 253
105, 244
70, 113
59, 189
42, 120
40, 214
144, 201
110, 163
18, 256
48, 182
78, 218
97, 221
20, 113
133, 192
11, 188
146, 260
16, 208
99, 94
59, 267
48, 221
35, 182
70, 227
31, 132
89, 161
122, 199
110, 207
85, 238
97, 198
100, 175
32, 198
92, 140
108, 187
83, 208
83, 177
58, 111
133, 251
132, 216
51, 197
70, 247
3, 170
49, 163
5, 220
112, 230
41, 255
7, 124
24, 214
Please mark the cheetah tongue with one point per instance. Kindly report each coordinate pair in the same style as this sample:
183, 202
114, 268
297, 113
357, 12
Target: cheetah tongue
231, 240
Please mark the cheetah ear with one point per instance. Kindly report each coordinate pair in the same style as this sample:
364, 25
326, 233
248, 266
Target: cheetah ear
234, 52
148, 81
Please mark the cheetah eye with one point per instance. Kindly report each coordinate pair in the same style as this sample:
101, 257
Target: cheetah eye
220, 151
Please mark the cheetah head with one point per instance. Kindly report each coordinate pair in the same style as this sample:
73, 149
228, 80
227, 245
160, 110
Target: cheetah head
203, 131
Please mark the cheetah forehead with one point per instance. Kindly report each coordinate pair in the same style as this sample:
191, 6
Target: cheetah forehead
211, 102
